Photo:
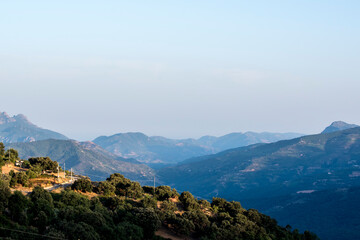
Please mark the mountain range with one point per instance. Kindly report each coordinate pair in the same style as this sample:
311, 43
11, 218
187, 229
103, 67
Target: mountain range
160, 151
319, 174
19, 129
273, 177
156, 152
283, 167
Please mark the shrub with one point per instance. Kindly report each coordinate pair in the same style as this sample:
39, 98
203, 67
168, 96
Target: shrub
83, 185
188, 201
164, 192
105, 188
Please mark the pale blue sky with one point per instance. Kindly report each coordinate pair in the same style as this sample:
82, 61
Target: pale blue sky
180, 68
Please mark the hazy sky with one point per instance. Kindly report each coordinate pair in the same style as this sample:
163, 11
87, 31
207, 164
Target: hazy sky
180, 68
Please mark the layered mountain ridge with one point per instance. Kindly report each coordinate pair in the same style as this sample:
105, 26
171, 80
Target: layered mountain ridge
306, 173
163, 150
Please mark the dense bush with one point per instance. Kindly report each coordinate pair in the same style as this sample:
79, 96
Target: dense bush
83, 185
105, 188
125, 187
19, 178
148, 190
189, 202
165, 192
10, 155
45, 163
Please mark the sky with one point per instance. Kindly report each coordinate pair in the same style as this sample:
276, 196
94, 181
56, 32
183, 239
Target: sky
180, 68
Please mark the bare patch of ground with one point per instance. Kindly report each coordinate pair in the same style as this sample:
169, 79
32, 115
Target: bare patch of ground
167, 234
10, 166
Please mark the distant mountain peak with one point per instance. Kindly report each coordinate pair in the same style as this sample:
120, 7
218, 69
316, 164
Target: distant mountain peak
5, 118
22, 118
19, 129
338, 126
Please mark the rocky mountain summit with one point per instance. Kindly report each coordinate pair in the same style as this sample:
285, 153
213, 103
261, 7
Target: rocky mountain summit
19, 129
338, 126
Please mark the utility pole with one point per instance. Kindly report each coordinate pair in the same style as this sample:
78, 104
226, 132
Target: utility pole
154, 185
71, 174
64, 172
58, 171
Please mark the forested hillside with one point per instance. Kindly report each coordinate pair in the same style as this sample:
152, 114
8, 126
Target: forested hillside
120, 209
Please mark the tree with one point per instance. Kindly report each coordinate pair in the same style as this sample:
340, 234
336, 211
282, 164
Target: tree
5, 194
114, 202
134, 190
199, 219
310, 236
125, 187
164, 192
11, 155
2, 150
83, 185
22, 178
188, 201
148, 220
31, 174
105, 188
26, 164
39, 193
148, 202
204, 204
17, 206
148, 190
71, 198
45, 163
126, 230
117, 178
81, 230
18, 178
168, 205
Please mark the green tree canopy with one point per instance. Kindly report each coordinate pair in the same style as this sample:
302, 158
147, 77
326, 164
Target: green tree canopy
83, 185
45, 163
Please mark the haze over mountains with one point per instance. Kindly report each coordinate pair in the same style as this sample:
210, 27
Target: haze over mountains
161, 151
90, 159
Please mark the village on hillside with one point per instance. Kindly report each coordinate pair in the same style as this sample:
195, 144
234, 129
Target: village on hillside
25, 175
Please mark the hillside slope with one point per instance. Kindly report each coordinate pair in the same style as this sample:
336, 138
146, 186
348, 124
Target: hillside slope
120, 209
271, 177
311, 162
84, 157
332, 213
